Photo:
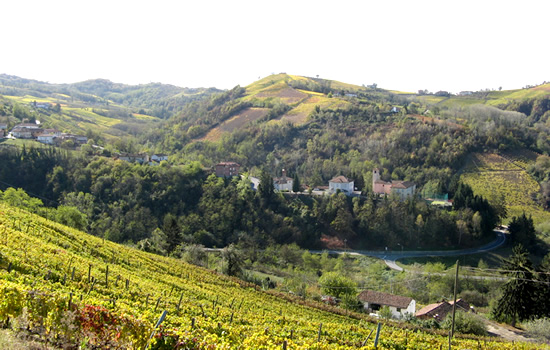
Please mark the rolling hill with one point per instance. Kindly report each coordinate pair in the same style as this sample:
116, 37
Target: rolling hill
72, 288
109, 109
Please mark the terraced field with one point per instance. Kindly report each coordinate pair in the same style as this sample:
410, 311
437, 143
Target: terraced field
73, 288
496, 177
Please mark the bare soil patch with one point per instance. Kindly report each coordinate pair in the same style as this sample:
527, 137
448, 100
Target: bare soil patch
244, 117
288, 95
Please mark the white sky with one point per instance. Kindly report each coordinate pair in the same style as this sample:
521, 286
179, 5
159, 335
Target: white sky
403, 45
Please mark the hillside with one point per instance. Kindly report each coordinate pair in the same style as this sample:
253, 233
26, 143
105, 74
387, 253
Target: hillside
300, 96
110, 110
69, 287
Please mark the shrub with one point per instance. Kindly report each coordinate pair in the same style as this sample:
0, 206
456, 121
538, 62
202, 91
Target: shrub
465, 322
539, 328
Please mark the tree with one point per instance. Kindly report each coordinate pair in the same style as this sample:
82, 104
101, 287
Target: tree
172, 232
231, 261
518, 301
265, 188
336, 285
522, 230
296, 186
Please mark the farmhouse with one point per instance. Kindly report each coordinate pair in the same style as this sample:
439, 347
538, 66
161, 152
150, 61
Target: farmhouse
341, 183
403, 189
227, 169
46, 138
399, 305
439, 311
283, 183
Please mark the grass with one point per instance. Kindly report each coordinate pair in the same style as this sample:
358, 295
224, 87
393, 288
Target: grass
492, 259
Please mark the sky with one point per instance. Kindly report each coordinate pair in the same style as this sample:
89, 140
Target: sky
399, 45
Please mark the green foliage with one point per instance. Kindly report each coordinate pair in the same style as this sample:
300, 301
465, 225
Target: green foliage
385, 313
539, 328
337, 285
522, 230
71, 216
19, 198
519, 297
466, 323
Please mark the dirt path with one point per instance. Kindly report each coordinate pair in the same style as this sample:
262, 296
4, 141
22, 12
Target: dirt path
506, 332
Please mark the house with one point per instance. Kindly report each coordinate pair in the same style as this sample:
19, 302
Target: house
283, 183
403, 189
22, 132
399, 305
46, 138
28, 126
227, 169
341, 183
44, 105
395, 109
439, 311
159, 157
133, 158
3, 126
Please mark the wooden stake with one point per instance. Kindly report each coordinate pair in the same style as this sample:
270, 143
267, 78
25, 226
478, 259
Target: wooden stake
179, 302
377, 335
454, 306
319, 333
107, 276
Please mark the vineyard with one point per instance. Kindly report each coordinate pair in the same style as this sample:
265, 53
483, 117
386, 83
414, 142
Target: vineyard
73, 288
497, 177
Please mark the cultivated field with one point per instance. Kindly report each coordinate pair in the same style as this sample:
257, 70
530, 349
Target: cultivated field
497, 177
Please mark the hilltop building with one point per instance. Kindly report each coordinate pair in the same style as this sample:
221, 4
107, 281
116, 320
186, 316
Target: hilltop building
283, 183
403, 189
341, 183
227, 169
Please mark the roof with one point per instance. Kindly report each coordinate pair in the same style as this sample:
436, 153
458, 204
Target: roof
227, 164
341, 179
402, 184
380, 298
282, 180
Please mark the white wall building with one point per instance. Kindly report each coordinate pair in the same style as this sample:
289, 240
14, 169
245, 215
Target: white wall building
341, 183
399, 305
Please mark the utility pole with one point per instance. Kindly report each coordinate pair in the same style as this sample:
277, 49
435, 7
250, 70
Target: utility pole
454, 305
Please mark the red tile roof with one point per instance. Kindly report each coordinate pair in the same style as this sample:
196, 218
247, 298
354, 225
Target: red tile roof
341, 179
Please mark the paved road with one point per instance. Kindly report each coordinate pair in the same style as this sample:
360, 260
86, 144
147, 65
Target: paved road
390, 257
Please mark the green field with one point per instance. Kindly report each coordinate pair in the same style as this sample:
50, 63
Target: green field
71, 287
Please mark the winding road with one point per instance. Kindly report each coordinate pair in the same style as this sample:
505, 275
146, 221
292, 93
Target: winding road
390, 257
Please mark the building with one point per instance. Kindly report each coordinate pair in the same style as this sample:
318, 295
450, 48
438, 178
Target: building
133, 158
436, 311
439, 311
3, 126
341, 183
227, 169
25, 133
283, 183
46, 138
159, 157
399, 305
403, 189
